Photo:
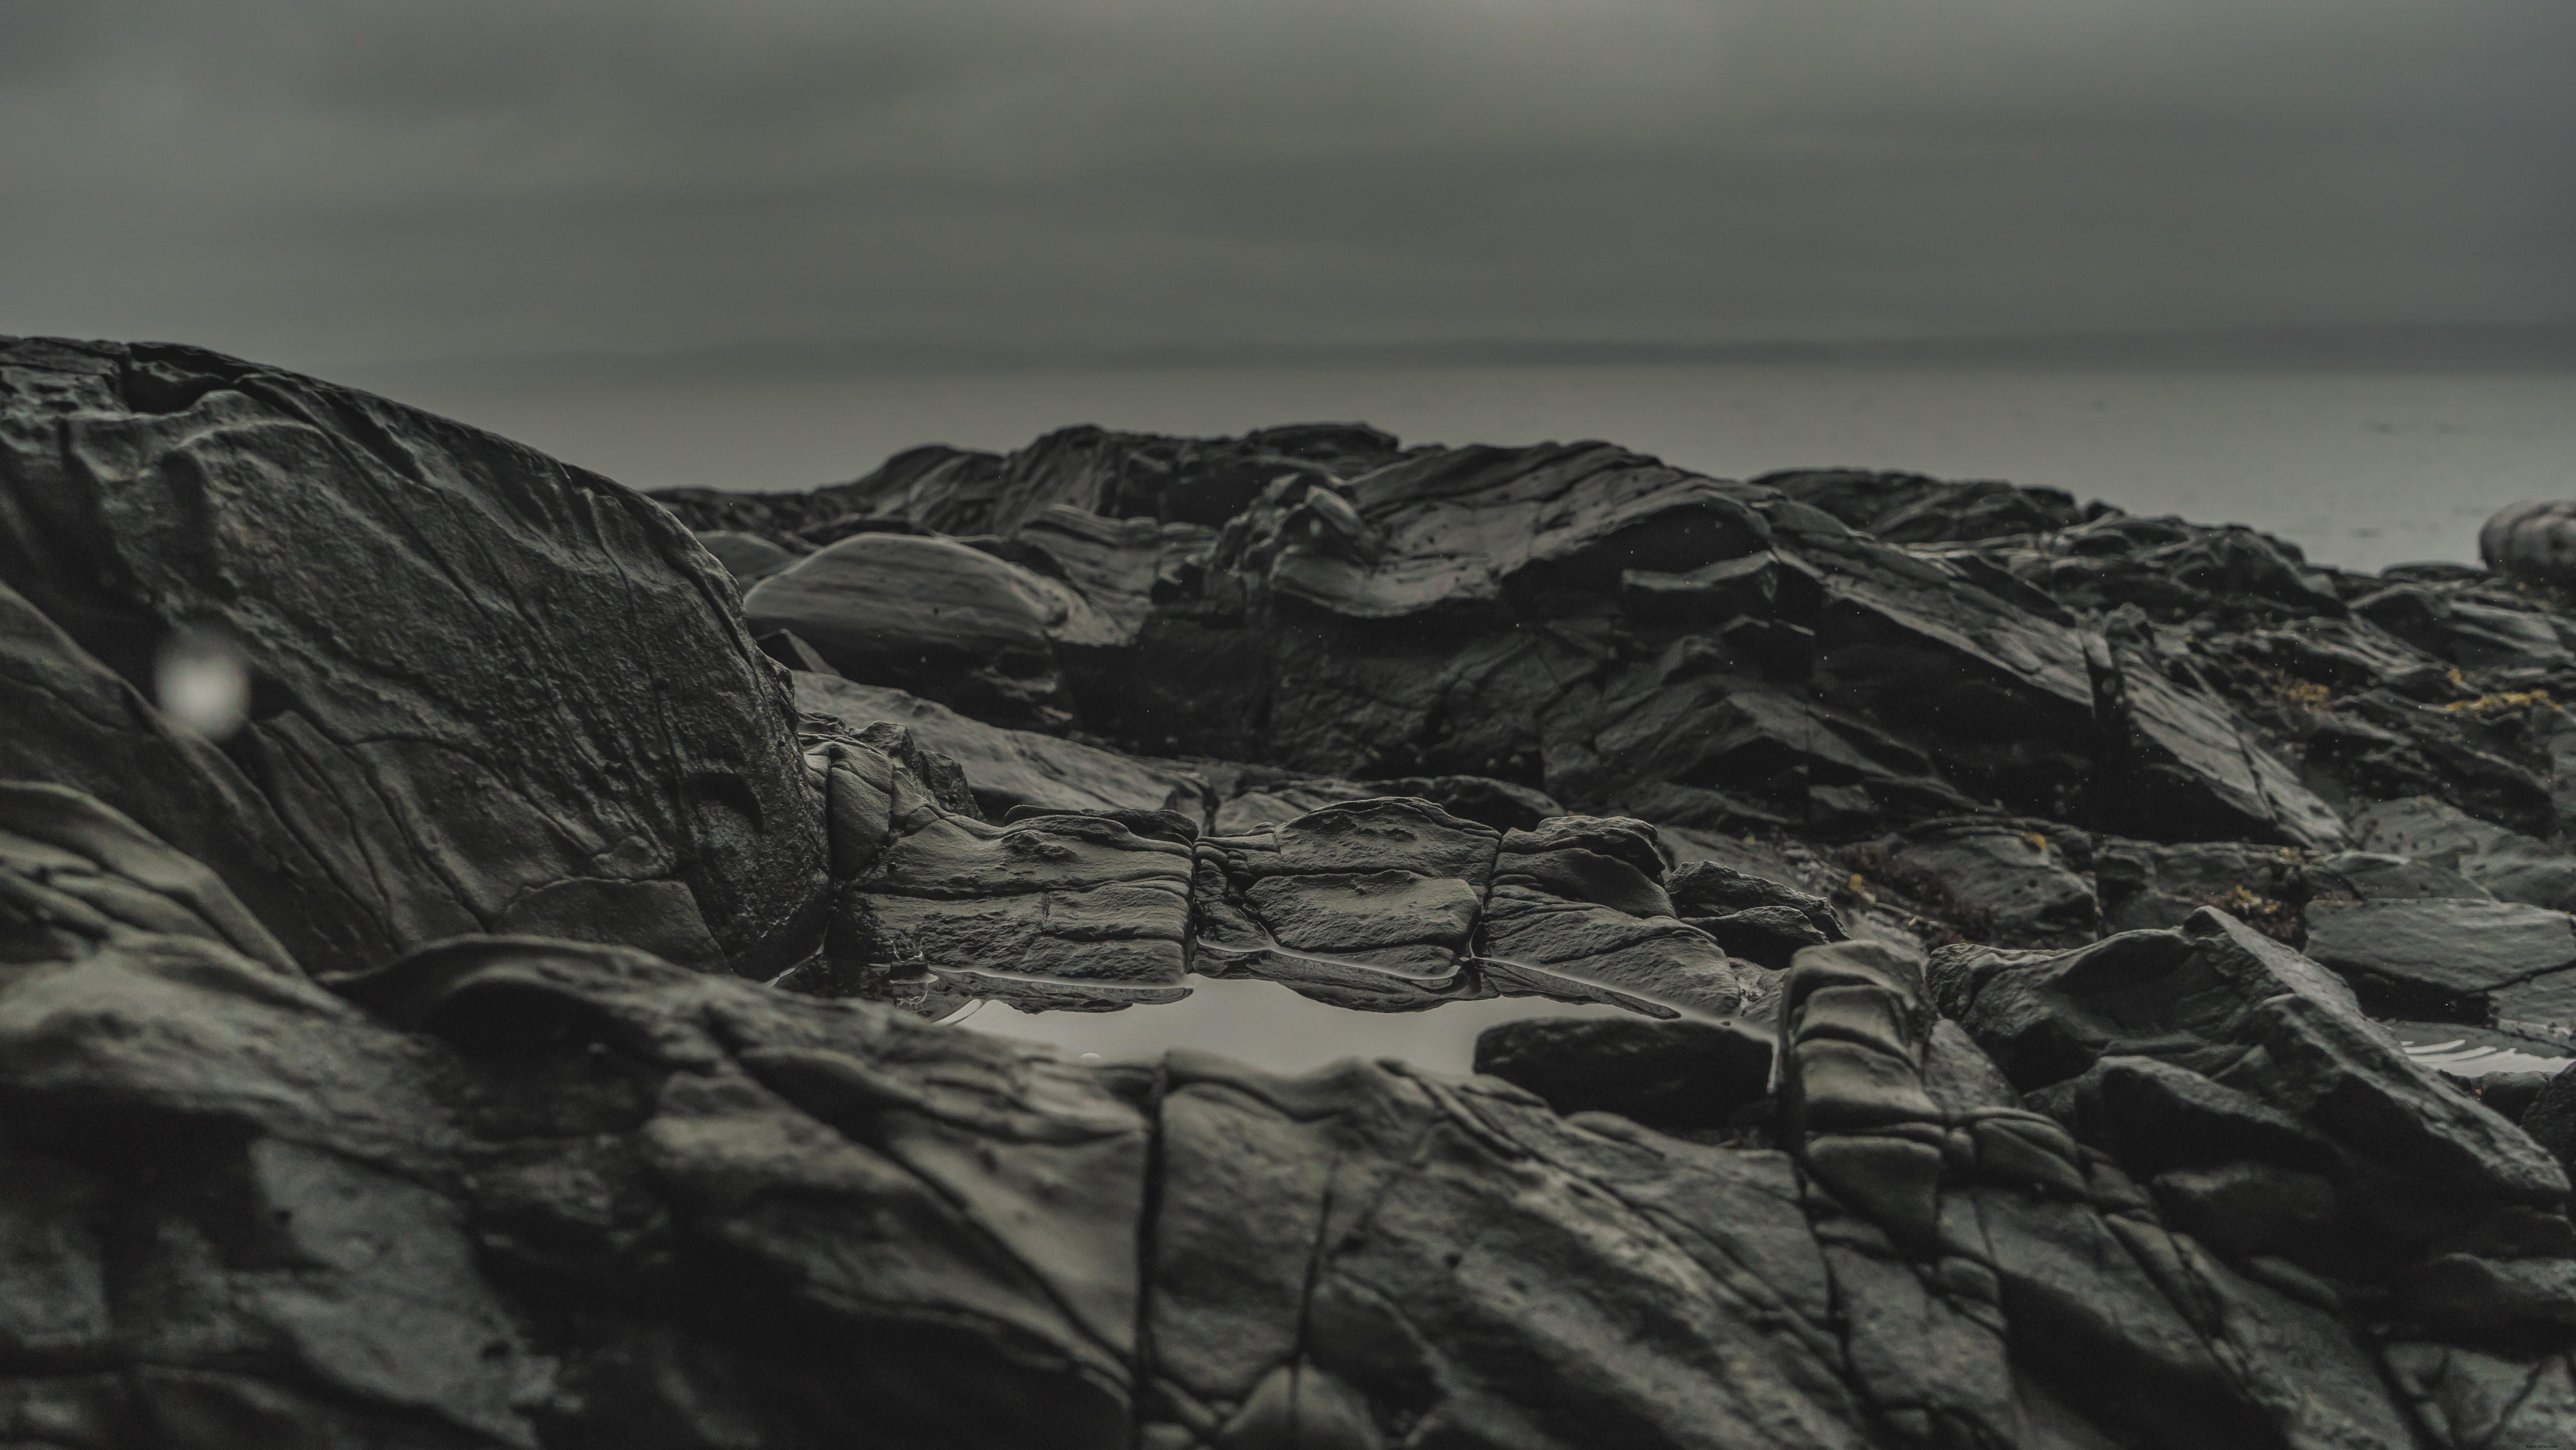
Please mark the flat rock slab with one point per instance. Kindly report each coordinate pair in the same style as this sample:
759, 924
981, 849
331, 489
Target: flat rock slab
2513, 866
2441, 947
1008, 768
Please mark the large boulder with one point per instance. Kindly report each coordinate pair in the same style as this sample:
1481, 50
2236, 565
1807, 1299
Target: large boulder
937, 618
487, 691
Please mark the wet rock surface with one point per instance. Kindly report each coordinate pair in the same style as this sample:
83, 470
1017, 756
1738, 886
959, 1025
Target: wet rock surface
518, 1030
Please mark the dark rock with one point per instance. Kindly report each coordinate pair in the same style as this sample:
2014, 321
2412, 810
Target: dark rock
935, 618
1496, 803
2465, 632
2192, 768
1767, 936
75, 874
749, 558
1371, 902
1661, 1074
2513, 866
2342, 654
2432, 957
2544, 1005
2484, 1300
487, 691
1910, 508
2168, 1188
2246, 1208
2469, 1397
1012, 768
1065, 911
790, 649
2511, 1094
2146, 886
2368, 876
1710, 888
2251, 1014
1578, 910
2551, 1118
2157, 1118
2016, 883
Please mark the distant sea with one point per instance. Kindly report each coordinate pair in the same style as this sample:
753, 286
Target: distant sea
2361, 468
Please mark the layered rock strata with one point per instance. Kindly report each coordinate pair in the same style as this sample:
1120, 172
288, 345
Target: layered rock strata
514, 1032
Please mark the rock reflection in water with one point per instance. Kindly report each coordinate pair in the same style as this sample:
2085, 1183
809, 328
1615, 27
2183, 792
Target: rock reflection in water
1273, 1028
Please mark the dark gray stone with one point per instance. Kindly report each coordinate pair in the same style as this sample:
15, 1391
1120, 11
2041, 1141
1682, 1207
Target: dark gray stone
2513, 866
749, 558
1661, 1074
2434, 956
2014, 882
488, 692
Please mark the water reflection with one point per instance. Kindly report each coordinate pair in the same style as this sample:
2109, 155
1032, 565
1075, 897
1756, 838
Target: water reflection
1268, 1026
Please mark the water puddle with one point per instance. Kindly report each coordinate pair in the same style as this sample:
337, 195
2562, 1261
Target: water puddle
2478, 1051
1270, 1027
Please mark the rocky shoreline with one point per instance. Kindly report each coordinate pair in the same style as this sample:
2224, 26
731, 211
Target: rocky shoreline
523, 1029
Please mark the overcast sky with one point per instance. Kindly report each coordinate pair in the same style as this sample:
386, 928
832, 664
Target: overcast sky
321, 183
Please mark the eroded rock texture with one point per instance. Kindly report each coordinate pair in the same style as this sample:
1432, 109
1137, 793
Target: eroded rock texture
488, 692
364, 1080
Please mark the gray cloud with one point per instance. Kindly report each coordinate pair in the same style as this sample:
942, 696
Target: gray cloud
348, 181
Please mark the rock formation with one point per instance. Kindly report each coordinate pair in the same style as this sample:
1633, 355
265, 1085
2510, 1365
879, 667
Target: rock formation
522, 1029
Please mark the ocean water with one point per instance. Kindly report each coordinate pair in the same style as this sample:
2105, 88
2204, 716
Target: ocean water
2361, 469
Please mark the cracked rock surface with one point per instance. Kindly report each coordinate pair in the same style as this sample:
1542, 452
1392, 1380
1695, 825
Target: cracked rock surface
520, 1031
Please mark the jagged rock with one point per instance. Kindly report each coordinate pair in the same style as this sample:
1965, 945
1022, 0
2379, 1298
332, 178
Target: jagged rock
2371, 876
2171, 1188
1661, 1074
2513, 866
2551, 1119
749, 558
2468, 1397
2155, 1117
1707, 887
2511, 1094
2468, 633
2246, 1208
1371, 902
936, 618
2437, 958
2221, 1000
1387, 1300
1578, 910
2342, 654
1913, 509
1454, 530
2193, 769
1496, 803
487, 691
1059, 910
75, 873
2144, 885
2017, 883
1011, 768
1767, 936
